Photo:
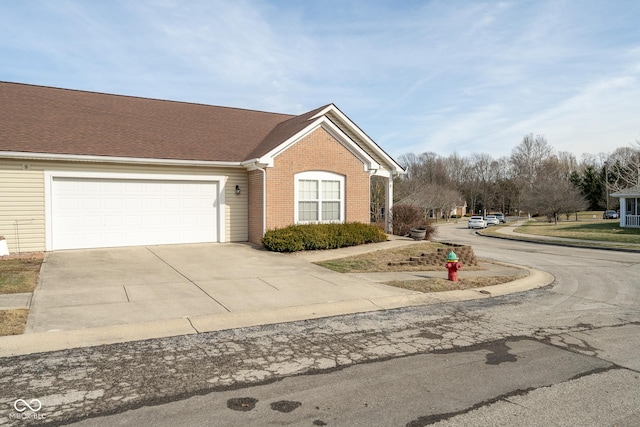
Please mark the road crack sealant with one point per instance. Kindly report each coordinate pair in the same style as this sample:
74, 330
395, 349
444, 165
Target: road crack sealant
87, 382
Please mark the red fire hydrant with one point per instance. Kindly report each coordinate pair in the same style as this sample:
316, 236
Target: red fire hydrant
453, 265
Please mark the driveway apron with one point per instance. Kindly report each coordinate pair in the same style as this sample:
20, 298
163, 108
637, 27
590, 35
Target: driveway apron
100, 287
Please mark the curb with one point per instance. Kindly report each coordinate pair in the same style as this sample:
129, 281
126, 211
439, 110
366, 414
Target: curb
567, 244
40, 342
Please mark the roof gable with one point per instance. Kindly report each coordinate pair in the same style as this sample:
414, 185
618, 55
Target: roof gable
343, 130
283, 131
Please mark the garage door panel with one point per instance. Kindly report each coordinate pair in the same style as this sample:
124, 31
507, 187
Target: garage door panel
90, 213
134, 204
85, 203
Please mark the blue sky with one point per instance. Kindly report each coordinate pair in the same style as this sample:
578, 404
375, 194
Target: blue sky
416, 76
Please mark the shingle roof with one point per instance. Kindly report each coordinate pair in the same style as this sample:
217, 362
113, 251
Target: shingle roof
629, 191
282, 131
38, 119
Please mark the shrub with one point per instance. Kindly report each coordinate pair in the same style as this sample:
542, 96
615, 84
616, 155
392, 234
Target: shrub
321, 236
405, 217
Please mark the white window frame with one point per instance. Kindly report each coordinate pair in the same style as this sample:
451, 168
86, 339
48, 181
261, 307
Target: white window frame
319, 176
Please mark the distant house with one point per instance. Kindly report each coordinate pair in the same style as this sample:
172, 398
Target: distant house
629, 206
84, 170
459, 211
436, 203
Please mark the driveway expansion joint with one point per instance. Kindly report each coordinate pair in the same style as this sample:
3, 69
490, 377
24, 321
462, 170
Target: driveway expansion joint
189, 280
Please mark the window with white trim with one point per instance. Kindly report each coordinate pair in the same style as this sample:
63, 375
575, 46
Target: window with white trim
319, 197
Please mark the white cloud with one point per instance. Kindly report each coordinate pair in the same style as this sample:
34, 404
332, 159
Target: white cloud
416, 76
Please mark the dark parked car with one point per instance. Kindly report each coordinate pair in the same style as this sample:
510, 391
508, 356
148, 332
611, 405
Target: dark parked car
610, 215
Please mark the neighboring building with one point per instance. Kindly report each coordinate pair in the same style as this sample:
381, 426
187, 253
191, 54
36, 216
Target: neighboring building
83, 170
437, 202
629, 206
459, 211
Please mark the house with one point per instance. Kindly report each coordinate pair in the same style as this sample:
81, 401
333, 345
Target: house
86, 170
437, 201
629, 206
459, 211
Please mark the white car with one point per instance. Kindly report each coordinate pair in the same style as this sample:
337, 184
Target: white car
476, 222
491, 220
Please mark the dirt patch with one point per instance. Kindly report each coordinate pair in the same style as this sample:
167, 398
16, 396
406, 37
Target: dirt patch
24, 255
13, 322
441, 285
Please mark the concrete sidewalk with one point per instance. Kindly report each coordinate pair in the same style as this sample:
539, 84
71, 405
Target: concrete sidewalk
13, 301
105, 296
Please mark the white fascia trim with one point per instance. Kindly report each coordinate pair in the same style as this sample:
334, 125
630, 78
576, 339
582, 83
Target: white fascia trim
332, 108
49, 175
253, 164
112, 159
622, 194
368, 162
382, 172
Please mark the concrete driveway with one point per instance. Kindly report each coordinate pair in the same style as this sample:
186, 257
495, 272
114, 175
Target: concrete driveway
102, 287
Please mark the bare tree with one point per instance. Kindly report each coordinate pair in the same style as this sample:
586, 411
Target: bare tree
378, 198
434, 198
552, 194
622, 168
411, 163
483, 176
503, 184
458, 169
529, 156
526, 160
568, 162
449, 200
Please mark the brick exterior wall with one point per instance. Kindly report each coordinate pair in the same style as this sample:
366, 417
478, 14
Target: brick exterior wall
318, 151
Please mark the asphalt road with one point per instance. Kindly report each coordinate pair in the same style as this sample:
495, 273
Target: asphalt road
561, 355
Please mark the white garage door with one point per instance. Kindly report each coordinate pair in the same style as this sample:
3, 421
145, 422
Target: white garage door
93, 213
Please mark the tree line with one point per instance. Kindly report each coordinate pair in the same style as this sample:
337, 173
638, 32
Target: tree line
533, 179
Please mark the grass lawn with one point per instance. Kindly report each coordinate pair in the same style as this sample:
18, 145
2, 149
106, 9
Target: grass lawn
604, 230
13, 322
585, 216
17, 276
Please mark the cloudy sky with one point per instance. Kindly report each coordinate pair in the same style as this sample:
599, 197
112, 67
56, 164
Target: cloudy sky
416, 76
